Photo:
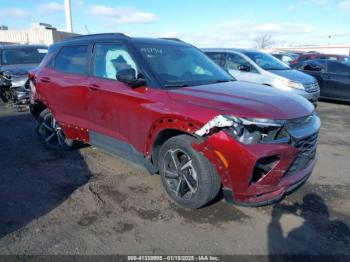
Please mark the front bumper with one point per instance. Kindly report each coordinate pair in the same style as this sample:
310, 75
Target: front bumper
286, 187
21, 95
261, 174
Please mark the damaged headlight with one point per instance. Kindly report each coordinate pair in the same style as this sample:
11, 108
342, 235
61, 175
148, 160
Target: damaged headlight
249, 130
257, 130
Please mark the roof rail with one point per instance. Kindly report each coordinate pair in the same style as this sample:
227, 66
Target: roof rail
98, 35
171, 38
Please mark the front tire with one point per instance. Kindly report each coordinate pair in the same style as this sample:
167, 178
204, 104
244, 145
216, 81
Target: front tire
51, 134
188, 177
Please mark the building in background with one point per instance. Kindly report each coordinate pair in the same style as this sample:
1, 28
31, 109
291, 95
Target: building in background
39, 33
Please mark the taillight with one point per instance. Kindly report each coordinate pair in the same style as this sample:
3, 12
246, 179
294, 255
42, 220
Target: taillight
31, 75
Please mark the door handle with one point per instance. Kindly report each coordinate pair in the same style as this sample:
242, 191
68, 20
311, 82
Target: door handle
45, 79
94, 87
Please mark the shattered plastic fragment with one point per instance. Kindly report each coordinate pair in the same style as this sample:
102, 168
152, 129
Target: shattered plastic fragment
218, 121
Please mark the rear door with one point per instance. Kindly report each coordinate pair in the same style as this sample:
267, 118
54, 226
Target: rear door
65, 82
337, 79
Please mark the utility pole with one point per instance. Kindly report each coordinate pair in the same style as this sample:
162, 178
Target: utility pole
68, 13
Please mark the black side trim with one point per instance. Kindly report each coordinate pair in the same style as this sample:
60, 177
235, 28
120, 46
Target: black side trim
228, 195
120, 149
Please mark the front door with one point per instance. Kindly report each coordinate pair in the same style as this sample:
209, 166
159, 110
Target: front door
338, 80
114, 107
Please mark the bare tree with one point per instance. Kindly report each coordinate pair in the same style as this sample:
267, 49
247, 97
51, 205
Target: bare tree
263, 40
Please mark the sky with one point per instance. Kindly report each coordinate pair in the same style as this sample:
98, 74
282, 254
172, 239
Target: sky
219, 23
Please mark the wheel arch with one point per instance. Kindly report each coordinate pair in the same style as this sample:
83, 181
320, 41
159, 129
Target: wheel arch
164, 129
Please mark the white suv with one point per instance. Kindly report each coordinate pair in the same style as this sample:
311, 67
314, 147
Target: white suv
258, 67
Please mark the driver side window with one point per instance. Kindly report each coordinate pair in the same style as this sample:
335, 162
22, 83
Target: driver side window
233, 61
109, 59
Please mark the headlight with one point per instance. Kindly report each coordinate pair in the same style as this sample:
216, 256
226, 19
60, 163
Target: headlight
254, 131
293, 84
19, 82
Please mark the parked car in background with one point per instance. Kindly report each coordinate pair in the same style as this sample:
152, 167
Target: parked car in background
285, 57
333, 77
261, 68
15, 62
165, 104
311, 56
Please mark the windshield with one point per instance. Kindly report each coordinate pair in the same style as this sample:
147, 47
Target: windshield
177, 66
15, 56
267, 62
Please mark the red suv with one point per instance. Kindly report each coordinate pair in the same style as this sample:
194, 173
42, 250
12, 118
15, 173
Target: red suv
166, 105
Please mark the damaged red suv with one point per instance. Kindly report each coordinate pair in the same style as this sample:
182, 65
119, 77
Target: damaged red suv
166, 105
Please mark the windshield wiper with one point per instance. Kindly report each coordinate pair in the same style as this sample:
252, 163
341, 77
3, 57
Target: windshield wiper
287, 68
224, 80
175, 85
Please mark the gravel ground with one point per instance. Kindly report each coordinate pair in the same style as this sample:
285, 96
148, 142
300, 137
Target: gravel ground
88, 202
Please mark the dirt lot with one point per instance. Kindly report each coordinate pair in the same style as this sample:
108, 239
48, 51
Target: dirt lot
88, 202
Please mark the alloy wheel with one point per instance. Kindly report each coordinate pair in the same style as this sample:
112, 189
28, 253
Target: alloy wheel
51, 132
180, 174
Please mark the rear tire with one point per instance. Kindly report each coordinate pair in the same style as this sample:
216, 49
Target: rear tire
4, 96
51, 134
188, 177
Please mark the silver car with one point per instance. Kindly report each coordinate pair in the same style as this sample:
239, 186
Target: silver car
258, 67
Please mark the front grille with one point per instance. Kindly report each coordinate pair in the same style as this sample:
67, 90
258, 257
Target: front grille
311, 87
307, 152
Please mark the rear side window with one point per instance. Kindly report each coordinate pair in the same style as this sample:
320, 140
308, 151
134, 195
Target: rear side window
72, 59
218, 58
338, 68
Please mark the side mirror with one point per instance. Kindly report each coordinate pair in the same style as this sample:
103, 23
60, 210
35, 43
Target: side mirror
127, 76
244, 68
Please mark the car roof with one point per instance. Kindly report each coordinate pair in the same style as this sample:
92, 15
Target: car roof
239, 50
325, 55
21, 46
85, 39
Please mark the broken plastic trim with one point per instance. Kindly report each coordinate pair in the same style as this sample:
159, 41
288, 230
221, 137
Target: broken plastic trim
247, 131
218, 121
227, 121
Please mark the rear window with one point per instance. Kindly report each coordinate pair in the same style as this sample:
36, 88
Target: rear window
18, 56
72, 59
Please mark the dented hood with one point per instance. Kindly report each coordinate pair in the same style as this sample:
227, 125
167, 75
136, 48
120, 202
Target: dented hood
245, 100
